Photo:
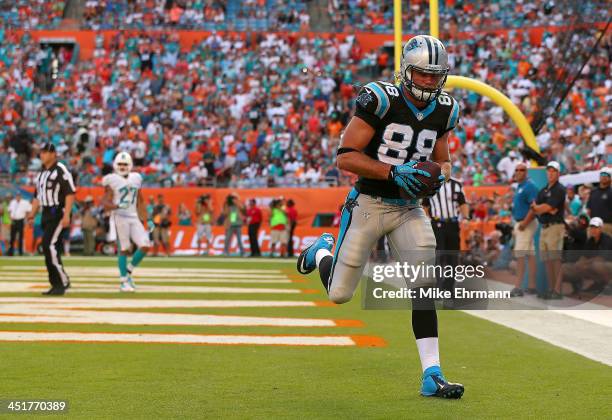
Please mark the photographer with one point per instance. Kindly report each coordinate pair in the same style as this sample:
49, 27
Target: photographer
204, 218
233, 213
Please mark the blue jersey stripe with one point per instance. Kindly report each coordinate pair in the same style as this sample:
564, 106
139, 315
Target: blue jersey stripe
345, 223
454, 115
383, 101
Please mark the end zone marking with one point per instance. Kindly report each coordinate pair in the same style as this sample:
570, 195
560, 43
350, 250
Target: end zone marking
89, 303
76, 288
114, 274
326, 303
348, 323
310, 291
23, 315
113, 270
273, 340
368, 341
147, 280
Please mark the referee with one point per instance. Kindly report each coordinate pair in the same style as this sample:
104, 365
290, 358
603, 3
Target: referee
55, 194
444, 209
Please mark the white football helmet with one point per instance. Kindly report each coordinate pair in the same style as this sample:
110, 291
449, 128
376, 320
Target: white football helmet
123, 164
424, 54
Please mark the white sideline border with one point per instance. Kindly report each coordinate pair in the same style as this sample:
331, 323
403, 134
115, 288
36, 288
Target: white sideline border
559, 328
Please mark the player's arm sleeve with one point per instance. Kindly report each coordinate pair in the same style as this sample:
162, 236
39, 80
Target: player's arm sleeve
453, 117
372, 104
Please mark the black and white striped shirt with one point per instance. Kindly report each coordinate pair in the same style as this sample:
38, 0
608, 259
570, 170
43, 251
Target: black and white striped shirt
53, 185
444, 206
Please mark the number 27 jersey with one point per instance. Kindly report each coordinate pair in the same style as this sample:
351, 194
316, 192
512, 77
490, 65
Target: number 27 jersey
403, 132
125, 192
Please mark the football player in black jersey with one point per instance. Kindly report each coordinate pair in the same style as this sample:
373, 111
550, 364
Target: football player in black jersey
394, 127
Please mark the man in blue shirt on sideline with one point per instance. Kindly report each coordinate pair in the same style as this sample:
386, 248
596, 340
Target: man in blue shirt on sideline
524, 229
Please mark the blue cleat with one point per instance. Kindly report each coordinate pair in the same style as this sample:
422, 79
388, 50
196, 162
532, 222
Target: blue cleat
306, 262
131, 282
434, 385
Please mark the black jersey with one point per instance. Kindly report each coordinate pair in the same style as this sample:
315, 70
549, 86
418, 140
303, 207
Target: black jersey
403, 132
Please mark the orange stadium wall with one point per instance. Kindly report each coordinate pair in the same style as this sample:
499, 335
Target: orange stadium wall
309, 202
368, 41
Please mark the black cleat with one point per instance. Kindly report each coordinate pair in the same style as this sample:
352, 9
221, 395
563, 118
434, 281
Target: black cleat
55, 291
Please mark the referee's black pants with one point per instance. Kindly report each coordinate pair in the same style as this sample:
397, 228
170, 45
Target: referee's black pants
16, 232
448, 243
52, 245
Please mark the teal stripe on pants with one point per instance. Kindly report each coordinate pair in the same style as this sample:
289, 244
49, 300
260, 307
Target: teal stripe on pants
345, 223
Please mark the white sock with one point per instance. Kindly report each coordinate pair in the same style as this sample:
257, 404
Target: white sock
321, 254
130, 267
123, 279
428, 352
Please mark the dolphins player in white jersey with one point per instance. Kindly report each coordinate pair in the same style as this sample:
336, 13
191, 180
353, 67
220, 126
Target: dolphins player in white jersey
123, 196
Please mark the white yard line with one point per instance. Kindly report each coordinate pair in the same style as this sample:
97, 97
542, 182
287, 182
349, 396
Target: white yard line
34, 314
180, 338
145, 280
16, 287
6, 260
115, 275
90, 303
159, 270
563, 329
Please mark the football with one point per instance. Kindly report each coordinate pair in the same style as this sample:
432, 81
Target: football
430, 183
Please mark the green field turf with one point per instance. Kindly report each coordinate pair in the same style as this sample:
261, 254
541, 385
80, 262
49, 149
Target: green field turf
506, 374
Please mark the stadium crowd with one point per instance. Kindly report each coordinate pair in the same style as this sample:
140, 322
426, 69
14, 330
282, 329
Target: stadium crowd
459, 15
235, 15
292, 15
37, 14
269, 109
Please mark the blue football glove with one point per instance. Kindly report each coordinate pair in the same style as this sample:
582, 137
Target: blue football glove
405, 177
